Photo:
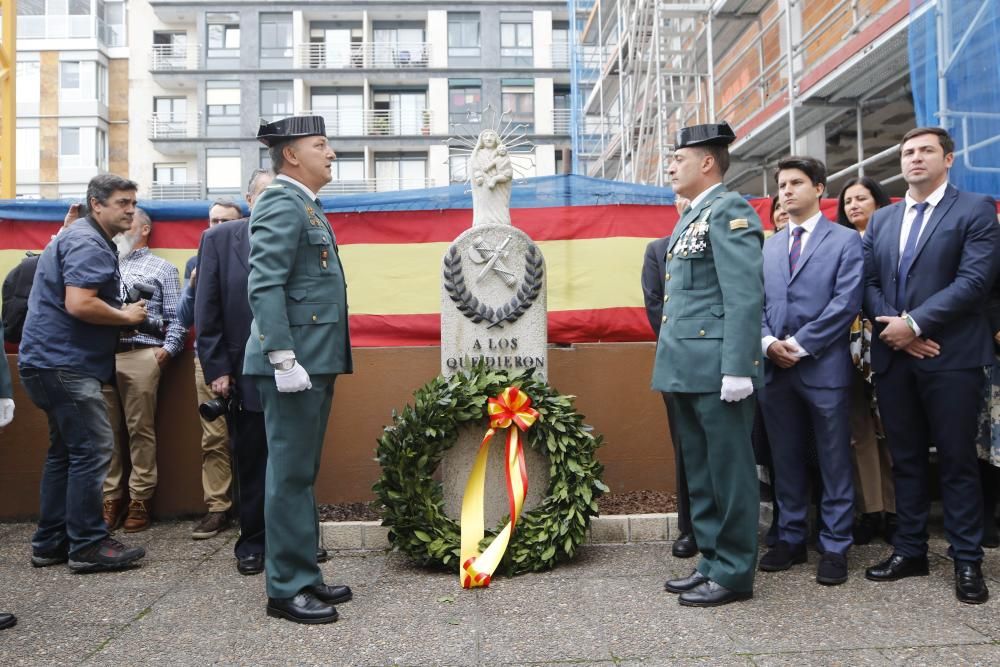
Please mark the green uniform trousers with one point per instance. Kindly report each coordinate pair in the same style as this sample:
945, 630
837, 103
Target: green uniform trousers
295, 423
722, 483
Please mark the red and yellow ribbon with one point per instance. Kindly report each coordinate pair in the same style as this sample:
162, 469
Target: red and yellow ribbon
510, 410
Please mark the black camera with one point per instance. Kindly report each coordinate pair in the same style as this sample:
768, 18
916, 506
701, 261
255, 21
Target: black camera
153, 325
220, 407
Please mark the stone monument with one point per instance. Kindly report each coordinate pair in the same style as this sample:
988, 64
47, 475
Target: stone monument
493, 309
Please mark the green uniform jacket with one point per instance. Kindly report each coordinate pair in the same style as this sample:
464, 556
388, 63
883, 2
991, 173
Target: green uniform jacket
713, 296
297, 291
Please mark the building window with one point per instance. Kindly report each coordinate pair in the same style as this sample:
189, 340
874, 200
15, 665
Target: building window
275, 99
348, 175
102, 150
170, 118
222, 100
517, 97
223, 36
515, 39
458, 168
464, 101
342, 110
76, 7
69, 75
335, 45
463, 35
170, 50
399, 45
102, 83
69, 142
222, 171
112, 12
27, 148
398, 172
170, 181
28, 84
399, 113
169, 173
560, 44
275, 40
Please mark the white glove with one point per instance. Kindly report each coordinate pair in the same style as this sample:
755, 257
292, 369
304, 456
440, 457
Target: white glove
294, 379
6, 411
736, 388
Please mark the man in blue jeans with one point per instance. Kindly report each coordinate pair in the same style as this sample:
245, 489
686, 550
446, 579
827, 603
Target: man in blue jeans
67, 351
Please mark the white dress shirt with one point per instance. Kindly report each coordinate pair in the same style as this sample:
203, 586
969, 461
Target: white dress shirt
933, 199
288, 179
807, 229
702, 195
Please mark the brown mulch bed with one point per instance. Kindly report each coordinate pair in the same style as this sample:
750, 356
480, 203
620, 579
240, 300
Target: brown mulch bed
633, 502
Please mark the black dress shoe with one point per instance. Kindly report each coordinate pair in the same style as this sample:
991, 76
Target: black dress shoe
866, 527
248, 565
782, 556
7, 620
969, 584
832, 569
898, 567
696, 578
685, 546
302, 608
322, 555
711, 594
331, 594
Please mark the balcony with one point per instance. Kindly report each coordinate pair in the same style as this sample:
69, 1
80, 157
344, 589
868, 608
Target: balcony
174, 125
363, 55
175, 191
562, 120
175, 57
362, 185
374, 122
560, 55
70, 26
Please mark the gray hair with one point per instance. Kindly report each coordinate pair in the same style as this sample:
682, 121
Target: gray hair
225, 202
277, 155
144, 218
102, 186
254, 175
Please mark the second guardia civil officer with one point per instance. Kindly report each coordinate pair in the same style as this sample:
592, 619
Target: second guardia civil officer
708, 359
299, 342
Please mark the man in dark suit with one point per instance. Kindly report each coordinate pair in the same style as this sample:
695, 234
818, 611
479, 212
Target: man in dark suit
812, 292
299, 343
653, 267
222, 322
930, 261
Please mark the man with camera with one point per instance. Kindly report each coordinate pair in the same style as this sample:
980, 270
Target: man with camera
141, 354
67, 351
222, 322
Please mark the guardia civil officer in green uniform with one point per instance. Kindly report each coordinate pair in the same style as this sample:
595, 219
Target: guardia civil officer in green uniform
299, 343
708, 359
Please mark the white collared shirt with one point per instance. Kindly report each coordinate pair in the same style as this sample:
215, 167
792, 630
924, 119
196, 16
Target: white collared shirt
911, 214
701, 197
309, 193
808, 226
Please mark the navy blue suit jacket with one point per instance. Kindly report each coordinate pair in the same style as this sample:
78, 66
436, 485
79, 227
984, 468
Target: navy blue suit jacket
955, 264
653, 269
221, 309
817, 303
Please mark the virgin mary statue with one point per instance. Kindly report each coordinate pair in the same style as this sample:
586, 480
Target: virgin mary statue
491, 174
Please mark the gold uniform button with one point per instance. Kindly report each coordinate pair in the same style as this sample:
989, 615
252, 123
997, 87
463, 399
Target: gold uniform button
664, 319
262, 336
685, 253
756, 363
314, 318
701, 333
666, 298
670, 255
667, 276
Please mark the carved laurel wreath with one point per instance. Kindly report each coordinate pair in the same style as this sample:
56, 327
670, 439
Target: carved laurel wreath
477, 311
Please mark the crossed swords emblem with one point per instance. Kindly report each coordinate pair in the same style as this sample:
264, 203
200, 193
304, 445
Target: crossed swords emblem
481, 253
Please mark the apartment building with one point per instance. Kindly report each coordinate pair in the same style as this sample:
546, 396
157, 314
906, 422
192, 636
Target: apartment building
393, 80
827, 78
71, 94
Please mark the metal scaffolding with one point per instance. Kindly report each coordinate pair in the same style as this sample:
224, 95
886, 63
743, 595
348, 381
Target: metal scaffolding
8, 108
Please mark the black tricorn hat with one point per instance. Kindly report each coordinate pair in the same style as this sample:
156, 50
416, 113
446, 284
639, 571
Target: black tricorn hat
712, 134
292, 127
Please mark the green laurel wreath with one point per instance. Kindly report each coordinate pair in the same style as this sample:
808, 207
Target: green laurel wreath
411, 449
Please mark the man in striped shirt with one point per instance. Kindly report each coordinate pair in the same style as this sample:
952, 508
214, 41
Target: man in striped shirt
139, 360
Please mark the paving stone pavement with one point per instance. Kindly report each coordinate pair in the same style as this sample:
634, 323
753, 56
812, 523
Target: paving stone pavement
187, 606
